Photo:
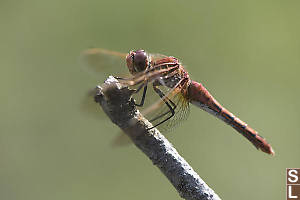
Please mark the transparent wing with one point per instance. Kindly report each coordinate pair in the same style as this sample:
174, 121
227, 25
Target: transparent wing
159, 108
102, 63
89, 107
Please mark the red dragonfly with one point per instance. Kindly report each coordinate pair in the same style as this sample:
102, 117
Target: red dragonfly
171, 82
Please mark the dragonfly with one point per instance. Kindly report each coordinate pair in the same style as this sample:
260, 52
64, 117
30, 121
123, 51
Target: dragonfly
167, 77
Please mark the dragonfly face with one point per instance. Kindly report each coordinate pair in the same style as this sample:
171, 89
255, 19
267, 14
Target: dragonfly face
137, 61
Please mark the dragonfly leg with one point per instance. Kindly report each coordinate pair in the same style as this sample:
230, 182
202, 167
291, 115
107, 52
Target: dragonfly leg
137, 90
167, 102
119, 78
144, 94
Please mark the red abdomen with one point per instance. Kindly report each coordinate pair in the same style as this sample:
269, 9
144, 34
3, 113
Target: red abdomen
199, 96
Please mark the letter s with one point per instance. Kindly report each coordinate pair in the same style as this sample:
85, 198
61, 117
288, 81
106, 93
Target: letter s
293, 176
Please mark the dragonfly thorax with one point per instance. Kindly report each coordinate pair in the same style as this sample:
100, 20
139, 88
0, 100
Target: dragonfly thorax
169, 82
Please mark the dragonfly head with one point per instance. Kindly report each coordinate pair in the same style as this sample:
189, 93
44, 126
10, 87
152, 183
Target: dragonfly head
137, 61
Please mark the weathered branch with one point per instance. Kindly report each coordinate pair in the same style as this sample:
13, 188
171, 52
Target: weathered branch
117, 103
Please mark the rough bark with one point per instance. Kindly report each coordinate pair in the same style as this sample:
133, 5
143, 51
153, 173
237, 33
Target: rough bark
117, 103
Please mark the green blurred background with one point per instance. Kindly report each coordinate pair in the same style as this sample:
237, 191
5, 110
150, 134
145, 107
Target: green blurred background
247, 53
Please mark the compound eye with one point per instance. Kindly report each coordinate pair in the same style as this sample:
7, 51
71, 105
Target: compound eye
140, 60
129, 61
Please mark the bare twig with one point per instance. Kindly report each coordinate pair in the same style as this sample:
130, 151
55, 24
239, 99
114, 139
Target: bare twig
116, 101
